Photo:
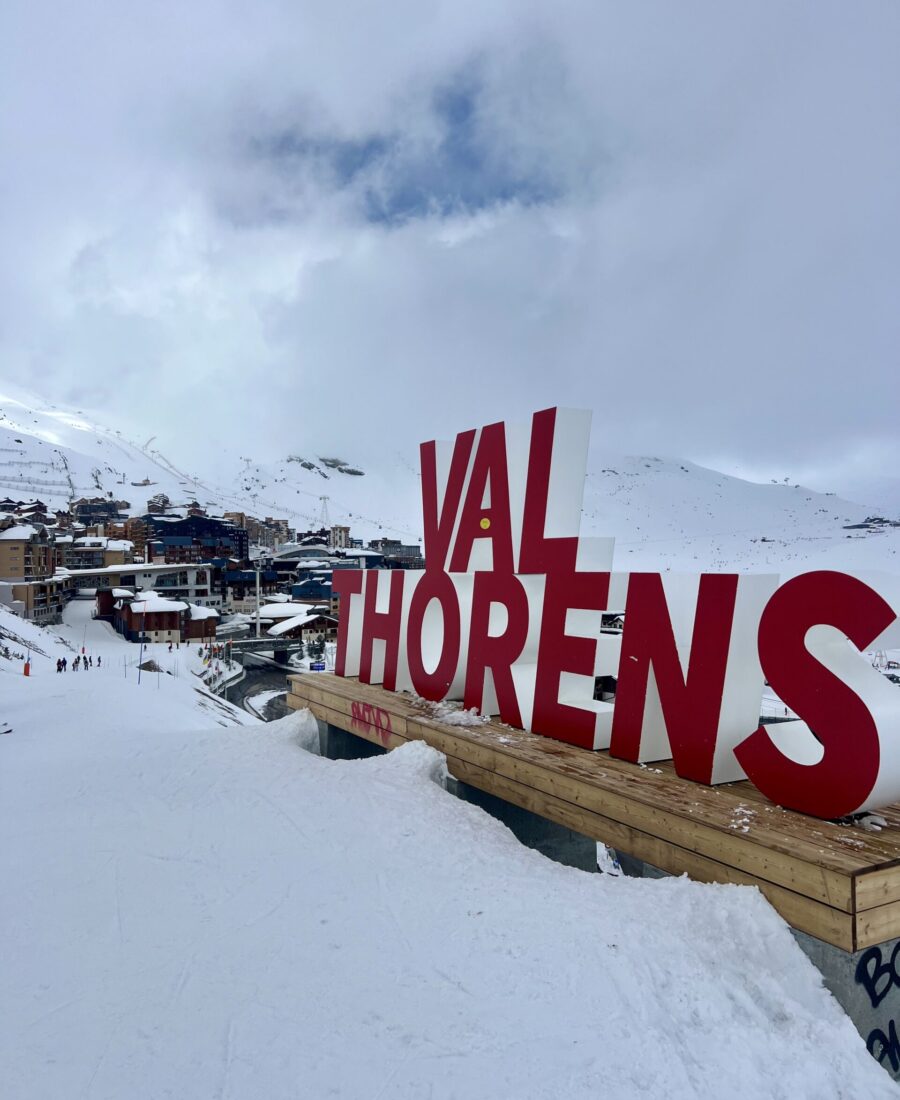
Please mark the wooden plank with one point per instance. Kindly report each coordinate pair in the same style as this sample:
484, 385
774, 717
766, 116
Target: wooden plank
387, 739
364, 730
878, 887
344, 705
876, 925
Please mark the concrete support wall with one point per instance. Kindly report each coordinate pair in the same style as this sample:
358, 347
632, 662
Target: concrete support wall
867, 985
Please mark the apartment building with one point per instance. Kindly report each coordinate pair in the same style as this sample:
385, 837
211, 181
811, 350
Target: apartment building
27, 564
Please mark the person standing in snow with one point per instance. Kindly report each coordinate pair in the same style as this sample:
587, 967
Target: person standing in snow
99, 660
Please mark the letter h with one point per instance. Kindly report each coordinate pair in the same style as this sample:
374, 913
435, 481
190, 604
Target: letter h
382, 625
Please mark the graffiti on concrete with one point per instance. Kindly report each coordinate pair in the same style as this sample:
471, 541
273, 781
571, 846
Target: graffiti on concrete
878, 975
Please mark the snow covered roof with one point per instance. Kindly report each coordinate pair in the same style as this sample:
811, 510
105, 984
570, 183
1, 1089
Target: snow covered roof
198, 612
17, 533
290, 624
282, 610
138, 567
157, 603
122, 593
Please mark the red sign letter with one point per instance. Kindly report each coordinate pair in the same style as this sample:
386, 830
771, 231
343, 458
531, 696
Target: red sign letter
559, 652
840, 720
344, 584
491, 521
690, 703
385, 625
439, 523
496, 652
433, 685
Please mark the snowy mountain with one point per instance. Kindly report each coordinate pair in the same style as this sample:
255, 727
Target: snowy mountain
59, 454
668, 513
664, 513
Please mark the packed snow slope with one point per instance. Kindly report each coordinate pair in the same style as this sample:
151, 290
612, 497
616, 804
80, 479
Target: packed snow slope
672, 514
176, 678
664, 513
215, 912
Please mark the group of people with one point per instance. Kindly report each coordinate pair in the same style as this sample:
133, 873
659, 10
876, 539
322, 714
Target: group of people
81, 661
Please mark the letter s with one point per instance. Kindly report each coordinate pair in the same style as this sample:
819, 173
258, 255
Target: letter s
845, 775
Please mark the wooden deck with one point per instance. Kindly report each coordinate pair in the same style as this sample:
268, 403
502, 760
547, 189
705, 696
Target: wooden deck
839, 883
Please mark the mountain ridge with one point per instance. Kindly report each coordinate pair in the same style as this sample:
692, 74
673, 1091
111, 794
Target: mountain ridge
665, 513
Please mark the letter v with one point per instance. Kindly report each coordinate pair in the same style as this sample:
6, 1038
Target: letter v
439, 523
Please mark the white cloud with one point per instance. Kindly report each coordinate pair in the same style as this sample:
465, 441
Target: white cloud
684, 218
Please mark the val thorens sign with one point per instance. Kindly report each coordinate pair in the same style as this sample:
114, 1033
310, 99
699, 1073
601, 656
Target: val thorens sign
506, 617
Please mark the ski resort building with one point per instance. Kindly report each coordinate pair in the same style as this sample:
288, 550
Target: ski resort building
153, 618
191, 583
212, 537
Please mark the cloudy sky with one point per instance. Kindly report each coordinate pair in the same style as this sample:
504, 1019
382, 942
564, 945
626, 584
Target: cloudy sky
361, 224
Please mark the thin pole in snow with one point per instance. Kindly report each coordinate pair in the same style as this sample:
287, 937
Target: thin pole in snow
257, 599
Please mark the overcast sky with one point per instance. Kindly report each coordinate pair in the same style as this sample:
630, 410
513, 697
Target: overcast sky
380, 223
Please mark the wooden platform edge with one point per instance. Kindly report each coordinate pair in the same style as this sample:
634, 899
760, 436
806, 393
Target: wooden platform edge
818, 918
822, 884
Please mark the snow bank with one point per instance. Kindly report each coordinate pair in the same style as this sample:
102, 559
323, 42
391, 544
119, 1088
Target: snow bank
208, 912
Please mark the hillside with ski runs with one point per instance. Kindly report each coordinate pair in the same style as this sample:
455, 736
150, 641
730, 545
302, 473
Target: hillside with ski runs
664, 513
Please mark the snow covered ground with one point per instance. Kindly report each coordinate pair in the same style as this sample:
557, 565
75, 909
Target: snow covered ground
195, 908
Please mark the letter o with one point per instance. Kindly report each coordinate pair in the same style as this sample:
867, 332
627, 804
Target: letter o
435, 684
